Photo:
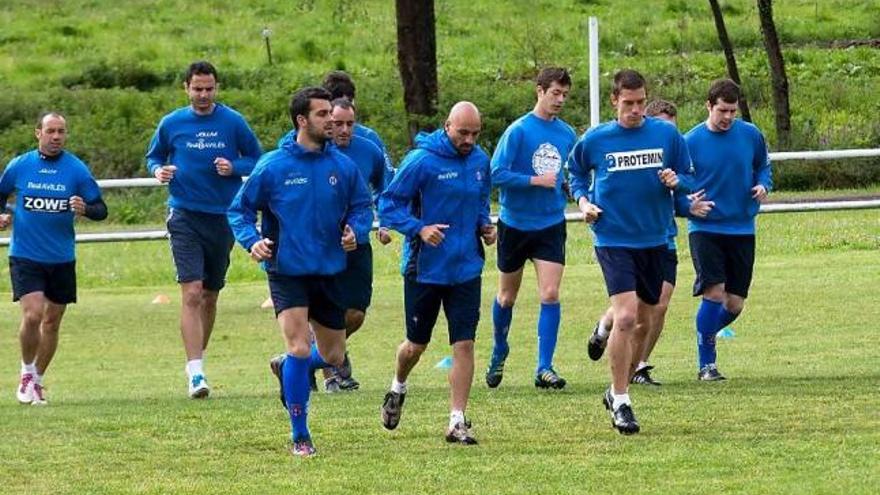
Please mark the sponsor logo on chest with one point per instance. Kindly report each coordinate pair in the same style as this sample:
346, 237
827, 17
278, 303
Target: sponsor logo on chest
207, 140
46, 205
624, 161
46, 186
447, 175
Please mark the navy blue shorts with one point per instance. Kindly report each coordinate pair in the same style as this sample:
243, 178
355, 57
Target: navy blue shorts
670, 266
516, 246
723, 259
461, 305
633, 269
200, 246
319, 293
57, 281
356, 281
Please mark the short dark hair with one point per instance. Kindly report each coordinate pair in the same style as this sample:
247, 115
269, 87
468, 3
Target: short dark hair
627, 79
657, 107
202, 68
301, 102
724, 89
339, 84
549, 75
46, 114
343, 103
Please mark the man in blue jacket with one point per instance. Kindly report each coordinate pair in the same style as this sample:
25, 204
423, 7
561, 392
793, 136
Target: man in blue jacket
527, 168
315, 207
636, 161
201, 151
733, 166
439, 199
52, 187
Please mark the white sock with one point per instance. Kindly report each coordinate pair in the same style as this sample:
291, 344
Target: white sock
603, 329
642, 364
619, 400
455, 417
29, 368
38, 379
398, 387
194, 368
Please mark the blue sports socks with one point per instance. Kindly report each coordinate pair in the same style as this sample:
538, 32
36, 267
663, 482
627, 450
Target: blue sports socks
295, 375
725, 317
501, 318
708, 320
315, 359
548, 330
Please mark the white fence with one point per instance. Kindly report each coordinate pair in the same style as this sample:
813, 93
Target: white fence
150, 235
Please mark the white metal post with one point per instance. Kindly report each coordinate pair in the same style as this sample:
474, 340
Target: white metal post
594, 71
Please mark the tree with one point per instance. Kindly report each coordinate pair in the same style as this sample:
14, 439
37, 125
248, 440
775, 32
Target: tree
729, 56
417, 57
777, 74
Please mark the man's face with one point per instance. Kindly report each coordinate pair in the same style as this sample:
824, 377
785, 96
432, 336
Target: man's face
630, 105
343, 125
201, 90
463, 133
721, 115
551, 100
52, 135
318, 125
668, 118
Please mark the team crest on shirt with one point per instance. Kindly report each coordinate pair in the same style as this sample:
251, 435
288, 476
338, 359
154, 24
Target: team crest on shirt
624, 161
479, 176
546, 159
332, 180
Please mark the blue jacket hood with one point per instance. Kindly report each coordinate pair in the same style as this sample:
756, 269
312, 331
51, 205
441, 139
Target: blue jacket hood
438, 143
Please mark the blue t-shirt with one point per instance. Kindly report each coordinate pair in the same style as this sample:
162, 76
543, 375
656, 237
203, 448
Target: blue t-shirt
728, 165
191, 142
636, 206
42, 227
529, 147
370, 162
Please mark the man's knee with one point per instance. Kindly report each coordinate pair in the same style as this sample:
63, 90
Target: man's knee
550, 294
191, 294
625, 320
411, 350
354, 320
209, 298
463, 348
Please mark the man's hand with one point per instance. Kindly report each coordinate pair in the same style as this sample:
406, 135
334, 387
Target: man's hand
489, 234
700, 208
165, 173
78, 206
5, 220
433, 235
547, 180
223, 166
383, 235
591, 212
262, 250
759, 193
668, 177
348, 240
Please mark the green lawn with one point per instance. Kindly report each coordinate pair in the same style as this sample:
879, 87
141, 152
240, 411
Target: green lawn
799, 413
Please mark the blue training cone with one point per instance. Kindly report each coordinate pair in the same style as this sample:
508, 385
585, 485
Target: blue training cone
726, 333
444, 364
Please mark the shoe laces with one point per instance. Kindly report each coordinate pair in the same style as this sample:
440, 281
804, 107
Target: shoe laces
197, 380
26, 380
38, 391
549, 375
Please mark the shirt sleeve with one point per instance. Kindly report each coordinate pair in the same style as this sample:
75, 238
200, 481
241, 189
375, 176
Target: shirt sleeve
242, 213
395, 201
159, 150
683, 166
580, 171
359, 215
249, 149
761, 164
505, 153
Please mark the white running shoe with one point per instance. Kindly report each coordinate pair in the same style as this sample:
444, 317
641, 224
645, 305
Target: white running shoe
24, 392
198, 387
39, 396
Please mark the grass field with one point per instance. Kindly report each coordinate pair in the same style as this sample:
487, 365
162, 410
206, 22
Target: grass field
799, 413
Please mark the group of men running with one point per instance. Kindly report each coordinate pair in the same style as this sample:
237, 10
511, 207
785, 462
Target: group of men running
306, 210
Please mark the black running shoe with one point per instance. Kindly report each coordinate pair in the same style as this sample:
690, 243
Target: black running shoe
392, 408
461, 433
710, 373
495, 372
623, 419
643, 377
303, 448
549, 379
275, 365
596, 344
347, 384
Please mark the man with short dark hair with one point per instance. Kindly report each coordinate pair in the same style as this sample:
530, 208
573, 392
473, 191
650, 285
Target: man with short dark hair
439, 199
733, 166
315, 208
201, 151
636, 161
527, 168
52, 188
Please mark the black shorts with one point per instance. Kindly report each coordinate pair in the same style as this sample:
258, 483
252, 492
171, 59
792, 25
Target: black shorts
461, 305
633, 269
516, 246
670, 266
722, 259
57, 281
319, 293
200, 246
356, 281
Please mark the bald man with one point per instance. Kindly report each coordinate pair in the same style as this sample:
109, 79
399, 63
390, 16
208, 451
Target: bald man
439, 200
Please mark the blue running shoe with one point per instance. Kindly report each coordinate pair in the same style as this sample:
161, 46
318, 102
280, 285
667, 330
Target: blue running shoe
198, 387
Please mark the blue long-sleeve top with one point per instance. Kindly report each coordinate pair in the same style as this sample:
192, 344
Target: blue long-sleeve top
360, 130
370, 161
306, 198
436, 185
636, 206
42, 227
192, 142
531, 146
728, 164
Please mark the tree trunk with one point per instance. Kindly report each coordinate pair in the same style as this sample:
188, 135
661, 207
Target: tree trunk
417, 57
777, 74
729, 57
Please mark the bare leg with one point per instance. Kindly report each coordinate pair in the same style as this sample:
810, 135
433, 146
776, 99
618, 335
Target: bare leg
462, 374
49, 328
